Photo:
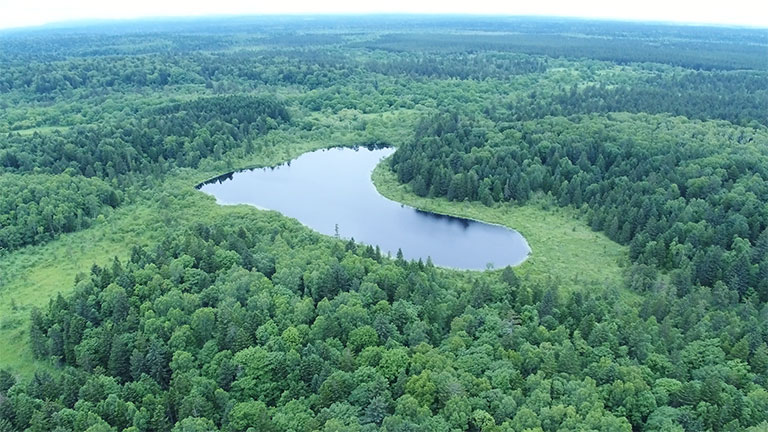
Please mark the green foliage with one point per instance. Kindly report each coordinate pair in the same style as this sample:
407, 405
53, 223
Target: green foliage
129, 301
563, 246
151, 142
351, 366
626, 43
37, 208
703, 215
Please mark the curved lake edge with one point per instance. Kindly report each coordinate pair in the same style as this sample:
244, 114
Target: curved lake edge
381, 165
383, 168
229, 174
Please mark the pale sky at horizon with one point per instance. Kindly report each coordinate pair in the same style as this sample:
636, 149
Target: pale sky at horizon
752, 13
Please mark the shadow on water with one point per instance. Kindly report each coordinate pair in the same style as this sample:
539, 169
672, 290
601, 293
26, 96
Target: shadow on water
331, 192
464, 223
228, 176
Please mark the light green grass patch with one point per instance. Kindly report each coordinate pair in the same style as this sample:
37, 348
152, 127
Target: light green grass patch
41, 130
31, 276
563, 246
34, 275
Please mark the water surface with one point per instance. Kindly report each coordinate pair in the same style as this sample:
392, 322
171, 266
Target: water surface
332, 188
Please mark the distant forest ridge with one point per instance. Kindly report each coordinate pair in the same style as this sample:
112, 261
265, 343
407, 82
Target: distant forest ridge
698, 47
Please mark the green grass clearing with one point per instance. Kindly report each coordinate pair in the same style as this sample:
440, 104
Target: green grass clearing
31, 276
563, 246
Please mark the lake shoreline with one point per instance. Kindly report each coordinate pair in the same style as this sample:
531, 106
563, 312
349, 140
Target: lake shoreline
332, 188
381, 167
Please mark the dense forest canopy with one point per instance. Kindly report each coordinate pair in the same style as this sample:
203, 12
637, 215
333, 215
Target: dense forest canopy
177, 134
36, 208
670, 189
186, 316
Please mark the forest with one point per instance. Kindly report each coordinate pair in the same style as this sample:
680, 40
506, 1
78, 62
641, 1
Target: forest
633, 157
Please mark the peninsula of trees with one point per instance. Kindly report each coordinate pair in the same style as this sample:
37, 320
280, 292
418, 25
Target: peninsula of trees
130, 301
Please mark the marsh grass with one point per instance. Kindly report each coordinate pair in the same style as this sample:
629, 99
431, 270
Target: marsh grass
564, 247
562, 244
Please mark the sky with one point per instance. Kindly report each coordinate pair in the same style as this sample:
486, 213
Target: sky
753, 13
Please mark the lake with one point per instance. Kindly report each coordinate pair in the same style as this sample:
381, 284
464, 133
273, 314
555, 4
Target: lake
331, 192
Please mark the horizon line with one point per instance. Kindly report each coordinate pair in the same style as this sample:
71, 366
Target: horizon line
90, 22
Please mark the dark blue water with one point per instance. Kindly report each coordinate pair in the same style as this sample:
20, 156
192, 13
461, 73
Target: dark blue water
329, 188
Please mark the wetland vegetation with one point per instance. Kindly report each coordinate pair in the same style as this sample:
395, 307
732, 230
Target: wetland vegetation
632, 157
